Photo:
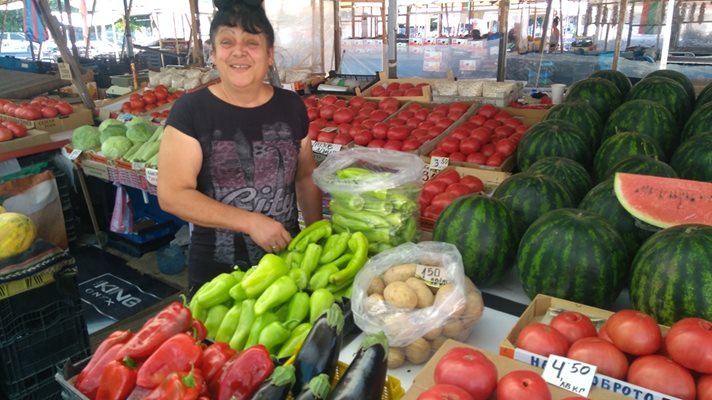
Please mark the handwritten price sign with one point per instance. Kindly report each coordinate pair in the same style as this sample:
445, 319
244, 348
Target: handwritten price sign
574, 376
431, 275
439, 163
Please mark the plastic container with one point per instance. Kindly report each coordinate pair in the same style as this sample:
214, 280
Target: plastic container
171, 260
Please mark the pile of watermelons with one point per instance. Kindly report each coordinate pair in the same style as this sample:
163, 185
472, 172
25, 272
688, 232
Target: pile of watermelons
559, 220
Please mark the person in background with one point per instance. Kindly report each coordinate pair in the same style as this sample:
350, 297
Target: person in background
513, 34
555, 33
476, 34
235, 157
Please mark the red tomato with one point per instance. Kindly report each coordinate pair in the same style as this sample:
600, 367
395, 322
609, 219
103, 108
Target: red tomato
49, 112
5, 134
17, 130
450, 144
487, 110
137, 103
438, 153
459, 189
476, 158
444, 391
504, 130
457, 156
363, 138
442, 200
459, 106
468, 369
521, 129
601, 353
343, 115
495, 160
329, 99
573, 325
505, 146
482, 134
380, 130
327, 111
312, 113
477, 120
449, 177
432, 212
689, 343
399, 133
149, 97
126, 107
634, 332
377, 143
523, 384
542, 339
492, 123
32, 113
343, 138
662, 375
502, 116
704, 387
379, 115
356, 101
389, 103
393, 145
513, 123
474, 183
327, 137
469, 145
411, 144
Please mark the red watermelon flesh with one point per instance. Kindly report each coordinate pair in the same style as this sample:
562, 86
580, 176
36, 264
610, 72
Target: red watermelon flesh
665, 202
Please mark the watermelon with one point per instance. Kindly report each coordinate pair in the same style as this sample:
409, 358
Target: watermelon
529, 196
568, 173
482, 228
700, 121
575, 255
671, 275
622, 145
648, 118
666, 92
640, 164
693, 158
553, 138
678, 77
665, 202
602, 200
17, 233
705, 96
582, 115
601, 94
618, 78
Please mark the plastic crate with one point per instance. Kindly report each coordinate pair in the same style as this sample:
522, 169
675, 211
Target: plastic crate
40, 386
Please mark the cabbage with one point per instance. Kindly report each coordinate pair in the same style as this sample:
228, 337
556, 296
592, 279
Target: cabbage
137, 120
115, 147
140, 132
111, 130
108, 123
86, 137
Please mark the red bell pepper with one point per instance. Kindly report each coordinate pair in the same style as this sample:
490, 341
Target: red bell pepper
177, 354
198, 330
213, 360
244, 373
91, 381
179, 386
175, 318
116, 337
117, 380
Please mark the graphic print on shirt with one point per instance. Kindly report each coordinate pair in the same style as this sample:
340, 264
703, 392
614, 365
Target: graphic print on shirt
262, 171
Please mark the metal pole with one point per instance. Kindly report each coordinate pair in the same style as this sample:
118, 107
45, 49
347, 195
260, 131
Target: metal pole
392, 33
337, 35
72, 36
630, 23
502, 54
197, 42
384, 37
127, 29
667, 34
619, 34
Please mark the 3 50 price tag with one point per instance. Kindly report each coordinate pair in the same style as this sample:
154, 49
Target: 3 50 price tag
439, 163
431, 275
574, 376
73, 155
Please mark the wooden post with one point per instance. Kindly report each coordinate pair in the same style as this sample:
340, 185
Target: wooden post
197, 42
72, 36
53, 27
630, 22
619, 34
502, 55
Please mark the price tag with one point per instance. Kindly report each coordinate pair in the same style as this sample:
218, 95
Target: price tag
137, 166
439, 163
431, 275
124, 117
574, 376
325, 148
152, 176
73, 155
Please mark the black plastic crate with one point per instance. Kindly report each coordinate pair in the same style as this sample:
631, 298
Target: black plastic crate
39, 386
65, 376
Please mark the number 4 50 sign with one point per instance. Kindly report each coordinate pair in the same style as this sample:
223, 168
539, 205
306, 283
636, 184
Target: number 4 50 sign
574, 376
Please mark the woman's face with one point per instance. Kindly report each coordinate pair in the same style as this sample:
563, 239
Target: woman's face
242, 58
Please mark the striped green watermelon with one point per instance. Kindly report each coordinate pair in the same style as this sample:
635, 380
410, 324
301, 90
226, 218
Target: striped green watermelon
568, 173
529, 196
664, 91
575, 255
641, 164
678, 77
582, 115
648, 118
601, 94
602, 201
618, 78
693, 158
553, 138
671, 275
700, 121
622, 145
705, 96
482, 228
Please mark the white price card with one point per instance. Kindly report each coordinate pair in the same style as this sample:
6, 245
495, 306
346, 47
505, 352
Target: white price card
429, 173
574, 376
137, 165
439, 163
325, 148
152, 176
432, 275
73, 155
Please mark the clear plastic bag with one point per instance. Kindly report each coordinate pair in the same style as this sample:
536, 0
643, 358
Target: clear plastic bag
402, 326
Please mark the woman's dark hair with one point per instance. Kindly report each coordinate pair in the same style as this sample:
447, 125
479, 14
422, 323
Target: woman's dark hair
245, 14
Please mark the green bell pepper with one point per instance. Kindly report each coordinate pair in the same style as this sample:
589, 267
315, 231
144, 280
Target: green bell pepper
298, 307
275, 333
260, 322
311, 258
370, 218
320, 279
319, 302
219, 290
296, 337
268, 270
228, 324
334, 247
343, 223
247, 318
311, 234
300, 277
216, 314
359, 247
280, 291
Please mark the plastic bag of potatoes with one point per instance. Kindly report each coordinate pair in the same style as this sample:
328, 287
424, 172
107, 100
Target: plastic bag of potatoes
419, 296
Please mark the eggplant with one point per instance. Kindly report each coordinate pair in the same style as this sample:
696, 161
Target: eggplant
319, 354
277, 386
317, 389
365, 377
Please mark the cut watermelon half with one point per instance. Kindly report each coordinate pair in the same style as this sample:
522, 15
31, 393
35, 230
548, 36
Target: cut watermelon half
665, 202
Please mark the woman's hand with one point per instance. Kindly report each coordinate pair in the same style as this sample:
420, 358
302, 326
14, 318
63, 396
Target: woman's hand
268, 233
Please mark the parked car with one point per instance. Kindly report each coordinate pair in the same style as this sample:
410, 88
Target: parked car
15, 42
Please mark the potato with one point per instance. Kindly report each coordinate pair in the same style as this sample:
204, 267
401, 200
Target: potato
396, 357
375, 304
399, 273
453, 328
443, 294
398, 294
395, 324
425, 296
437, 342
375, 286
433, 333
473, 307
418, 352
470, 286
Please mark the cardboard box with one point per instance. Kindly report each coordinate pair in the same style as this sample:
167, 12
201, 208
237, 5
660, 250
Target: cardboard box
384, 81
425, 378
80, 116
542, 309
35, 137
529, 116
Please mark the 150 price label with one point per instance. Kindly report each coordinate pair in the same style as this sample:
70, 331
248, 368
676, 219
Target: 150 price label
574, 376
432, 275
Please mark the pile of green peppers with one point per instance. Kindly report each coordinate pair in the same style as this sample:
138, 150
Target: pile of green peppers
276, 302
387, 217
